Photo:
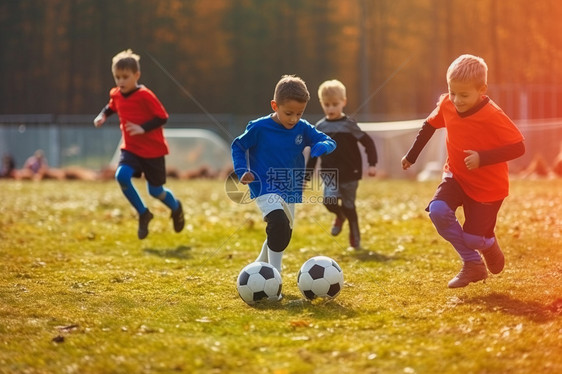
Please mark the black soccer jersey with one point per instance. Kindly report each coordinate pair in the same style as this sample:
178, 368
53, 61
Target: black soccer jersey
346, 158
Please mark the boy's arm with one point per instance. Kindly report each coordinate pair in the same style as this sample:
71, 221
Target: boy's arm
320, 143
153, 123
370, 149
501, 154
107, 111
239, 157
425, 133
323, 147
239, 150
100, 118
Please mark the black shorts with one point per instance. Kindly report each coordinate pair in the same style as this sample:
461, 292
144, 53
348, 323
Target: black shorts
479, 218
154, 169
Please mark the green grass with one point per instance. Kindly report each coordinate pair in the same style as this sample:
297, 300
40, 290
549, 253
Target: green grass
79, 293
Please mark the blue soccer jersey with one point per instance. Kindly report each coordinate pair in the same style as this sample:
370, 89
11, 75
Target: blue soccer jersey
274, 155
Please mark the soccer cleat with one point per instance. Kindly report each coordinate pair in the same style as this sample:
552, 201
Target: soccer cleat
472, 271
494, 258
179, 220
337, 225
144, 219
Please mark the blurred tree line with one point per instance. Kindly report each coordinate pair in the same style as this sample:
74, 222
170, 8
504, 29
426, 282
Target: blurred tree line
392, 54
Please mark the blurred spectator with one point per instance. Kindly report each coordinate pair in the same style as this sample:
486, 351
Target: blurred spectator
8, 166
37, 168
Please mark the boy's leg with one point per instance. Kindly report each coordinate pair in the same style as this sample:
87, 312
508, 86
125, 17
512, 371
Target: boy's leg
123, 176
331, 202
447, 225
479, 225
348, 193
279, 217
263, 256
278, 236
167, 197
155, 173
445, 221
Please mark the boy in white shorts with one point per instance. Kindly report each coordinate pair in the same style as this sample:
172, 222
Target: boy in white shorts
268, 157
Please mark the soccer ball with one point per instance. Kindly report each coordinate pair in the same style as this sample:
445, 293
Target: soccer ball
259, 281
320, 276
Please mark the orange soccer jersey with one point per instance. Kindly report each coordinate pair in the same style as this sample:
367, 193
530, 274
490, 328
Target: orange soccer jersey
140, 107
486, 127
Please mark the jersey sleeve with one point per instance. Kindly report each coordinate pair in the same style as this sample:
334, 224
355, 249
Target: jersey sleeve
154, 105
425, 133
239, 149
315, 136
436, 118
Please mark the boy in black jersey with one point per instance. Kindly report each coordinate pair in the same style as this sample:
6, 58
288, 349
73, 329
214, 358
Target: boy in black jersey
346, 159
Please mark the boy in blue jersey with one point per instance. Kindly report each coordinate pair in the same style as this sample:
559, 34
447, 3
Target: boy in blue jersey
268, 157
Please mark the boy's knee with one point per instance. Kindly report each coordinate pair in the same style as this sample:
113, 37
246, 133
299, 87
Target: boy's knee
278, 230
157, 192
123, 175
440, 213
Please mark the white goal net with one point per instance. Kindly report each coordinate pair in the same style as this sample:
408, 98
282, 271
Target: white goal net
192, 149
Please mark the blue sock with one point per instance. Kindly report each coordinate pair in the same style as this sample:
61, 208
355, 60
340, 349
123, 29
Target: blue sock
448, 227
123, 176
164, 195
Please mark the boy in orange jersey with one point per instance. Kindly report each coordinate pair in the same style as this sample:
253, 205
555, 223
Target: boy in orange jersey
480, 140
144, 147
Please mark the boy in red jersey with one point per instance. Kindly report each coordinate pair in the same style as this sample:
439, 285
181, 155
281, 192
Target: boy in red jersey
144, 147
480, 140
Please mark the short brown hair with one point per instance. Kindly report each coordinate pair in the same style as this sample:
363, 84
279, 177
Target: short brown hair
468, 68
291, 87
126, 60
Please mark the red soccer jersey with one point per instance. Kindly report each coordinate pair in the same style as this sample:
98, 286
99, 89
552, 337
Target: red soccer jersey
139, 107
485, 129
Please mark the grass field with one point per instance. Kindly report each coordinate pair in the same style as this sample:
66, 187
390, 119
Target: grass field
79, 293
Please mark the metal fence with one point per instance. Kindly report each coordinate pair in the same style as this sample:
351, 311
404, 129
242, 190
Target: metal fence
72, 140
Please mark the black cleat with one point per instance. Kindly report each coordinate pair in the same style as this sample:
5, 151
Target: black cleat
179, 220
144, 219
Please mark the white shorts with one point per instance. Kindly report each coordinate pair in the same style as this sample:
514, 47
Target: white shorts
271, 201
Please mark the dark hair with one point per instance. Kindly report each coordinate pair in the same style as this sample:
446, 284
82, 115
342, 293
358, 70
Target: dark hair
291, 87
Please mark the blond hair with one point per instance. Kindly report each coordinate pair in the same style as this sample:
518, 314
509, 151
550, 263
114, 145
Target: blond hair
291, 87
468, 68
126, 60
332, 88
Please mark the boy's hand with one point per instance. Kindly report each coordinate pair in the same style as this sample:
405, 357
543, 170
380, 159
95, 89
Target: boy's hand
472, 161
318, 149
99, 120
372, 171
134, 129
405, 163
247, 177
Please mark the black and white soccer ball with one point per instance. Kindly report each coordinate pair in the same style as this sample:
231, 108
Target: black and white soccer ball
259, 281
320, 276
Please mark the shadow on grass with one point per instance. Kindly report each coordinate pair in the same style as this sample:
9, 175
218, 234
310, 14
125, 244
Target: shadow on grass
318, 308
506, 304
364, 254
180, 252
